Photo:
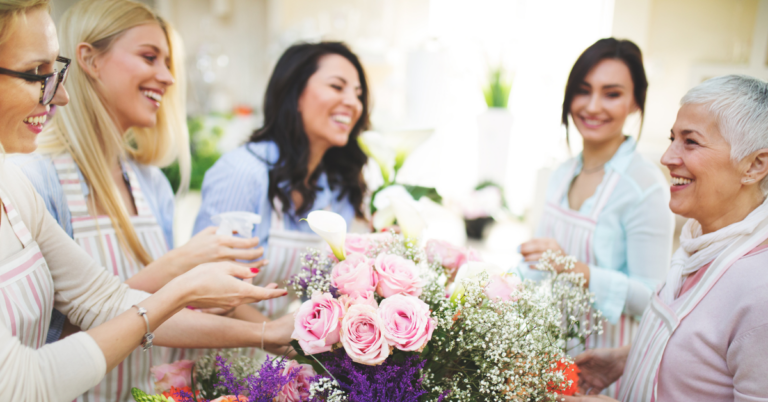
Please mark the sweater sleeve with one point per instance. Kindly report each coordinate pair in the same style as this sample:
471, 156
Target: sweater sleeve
85, 292
748, 361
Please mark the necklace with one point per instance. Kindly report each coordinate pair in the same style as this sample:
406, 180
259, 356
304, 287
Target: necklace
592, 170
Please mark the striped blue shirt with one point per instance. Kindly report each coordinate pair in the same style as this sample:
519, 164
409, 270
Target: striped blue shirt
239, 181
42, 174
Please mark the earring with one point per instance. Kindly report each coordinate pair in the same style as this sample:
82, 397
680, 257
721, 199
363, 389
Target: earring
747, 180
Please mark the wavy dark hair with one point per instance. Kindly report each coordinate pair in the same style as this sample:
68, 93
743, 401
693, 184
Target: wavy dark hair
608, 48
283, 125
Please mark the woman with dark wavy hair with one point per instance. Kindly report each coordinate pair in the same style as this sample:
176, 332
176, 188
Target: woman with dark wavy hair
304, 158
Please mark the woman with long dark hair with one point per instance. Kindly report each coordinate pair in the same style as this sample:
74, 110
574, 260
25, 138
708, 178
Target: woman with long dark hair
304, 158
608, 206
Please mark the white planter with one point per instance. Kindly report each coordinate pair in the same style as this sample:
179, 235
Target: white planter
495, 129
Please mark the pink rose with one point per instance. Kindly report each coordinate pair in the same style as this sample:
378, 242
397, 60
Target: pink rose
298, 389
397, 275
355, 274
407, 324
317, 323
363, 243
172, 375
502, 286
451, 257
362, 337
358, 298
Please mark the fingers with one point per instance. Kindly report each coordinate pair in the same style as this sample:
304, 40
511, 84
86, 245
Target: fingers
538, 246
258, 293
240, 242
238, 271
208, 231
583, 357
242, 254
271, 286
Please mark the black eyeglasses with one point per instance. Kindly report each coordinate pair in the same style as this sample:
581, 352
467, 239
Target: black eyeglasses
50, 82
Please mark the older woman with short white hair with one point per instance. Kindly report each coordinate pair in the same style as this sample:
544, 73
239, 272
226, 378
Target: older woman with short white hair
705, 335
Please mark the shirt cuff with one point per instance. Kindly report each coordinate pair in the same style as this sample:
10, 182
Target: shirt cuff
610, 289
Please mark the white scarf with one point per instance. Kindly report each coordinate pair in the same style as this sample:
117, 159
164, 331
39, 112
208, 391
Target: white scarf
697, 249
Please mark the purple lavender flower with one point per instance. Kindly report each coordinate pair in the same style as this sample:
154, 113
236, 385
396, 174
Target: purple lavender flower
260, 387
396, 380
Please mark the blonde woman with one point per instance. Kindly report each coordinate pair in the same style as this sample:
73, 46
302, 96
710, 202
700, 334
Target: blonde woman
97, 166
40, 266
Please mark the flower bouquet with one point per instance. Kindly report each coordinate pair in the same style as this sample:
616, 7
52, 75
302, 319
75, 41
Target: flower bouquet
378, 324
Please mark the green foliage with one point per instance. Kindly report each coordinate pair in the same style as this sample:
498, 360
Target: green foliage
141, 396
204, 135
415, 191
497, 90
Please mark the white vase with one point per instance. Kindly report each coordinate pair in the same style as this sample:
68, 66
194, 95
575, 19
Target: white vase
495, 128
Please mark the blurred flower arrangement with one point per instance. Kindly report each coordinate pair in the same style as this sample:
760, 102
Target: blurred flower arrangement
390, 151
379, 324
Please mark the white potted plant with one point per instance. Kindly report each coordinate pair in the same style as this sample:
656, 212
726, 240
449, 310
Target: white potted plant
495, 127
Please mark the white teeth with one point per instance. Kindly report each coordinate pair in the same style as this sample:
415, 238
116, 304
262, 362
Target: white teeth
593, 122
37, 120
680, 181
344, 119
153, 95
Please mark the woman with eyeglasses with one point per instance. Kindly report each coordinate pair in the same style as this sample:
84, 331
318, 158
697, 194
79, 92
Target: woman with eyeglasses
41, 266
97, 168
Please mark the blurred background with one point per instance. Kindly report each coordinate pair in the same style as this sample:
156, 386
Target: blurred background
428, 64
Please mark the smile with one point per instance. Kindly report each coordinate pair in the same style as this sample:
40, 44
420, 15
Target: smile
341, 118
36, 120
153, 95
592, 123
681, 181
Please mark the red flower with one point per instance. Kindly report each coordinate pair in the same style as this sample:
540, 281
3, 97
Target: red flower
571, 373
174, 393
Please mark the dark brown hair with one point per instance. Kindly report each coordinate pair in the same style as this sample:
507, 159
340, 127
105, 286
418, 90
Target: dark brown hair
609, 48
283, 125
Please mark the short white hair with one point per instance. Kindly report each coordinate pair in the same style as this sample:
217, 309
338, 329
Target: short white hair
740, 106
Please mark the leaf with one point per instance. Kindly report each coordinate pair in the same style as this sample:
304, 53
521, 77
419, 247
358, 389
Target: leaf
420, 191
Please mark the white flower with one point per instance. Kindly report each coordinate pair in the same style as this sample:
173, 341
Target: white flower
332, 228
408, 217
472, 272
395, 203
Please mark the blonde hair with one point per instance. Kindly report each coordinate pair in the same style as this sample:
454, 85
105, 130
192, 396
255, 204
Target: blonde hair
86, 129
10, 12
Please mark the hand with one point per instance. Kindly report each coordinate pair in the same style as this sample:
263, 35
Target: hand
207, 246
214, 285
585, 398
230, 312
277, 335
533, 249
600, 368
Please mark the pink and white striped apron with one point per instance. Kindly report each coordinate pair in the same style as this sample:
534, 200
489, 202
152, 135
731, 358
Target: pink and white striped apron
574, 233
26, 286
98, 238
284, 252
662, 318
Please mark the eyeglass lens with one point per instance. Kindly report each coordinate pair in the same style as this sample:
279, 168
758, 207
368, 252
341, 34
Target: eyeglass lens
50, 88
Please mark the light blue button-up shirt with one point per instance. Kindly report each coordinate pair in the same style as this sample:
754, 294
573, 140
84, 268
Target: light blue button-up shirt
239, 181
633, 237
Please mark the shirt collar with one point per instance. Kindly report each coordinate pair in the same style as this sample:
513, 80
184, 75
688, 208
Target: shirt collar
620, 159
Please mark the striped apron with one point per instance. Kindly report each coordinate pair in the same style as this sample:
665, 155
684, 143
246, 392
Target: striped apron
284, 255
574, 232
26, 286
98, 238
661, 320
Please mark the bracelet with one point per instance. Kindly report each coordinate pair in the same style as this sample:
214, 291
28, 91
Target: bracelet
263, 328
146, 340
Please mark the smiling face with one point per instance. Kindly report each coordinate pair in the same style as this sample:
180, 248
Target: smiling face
32, 47
603, 101
705, 181
134, 74
330, 104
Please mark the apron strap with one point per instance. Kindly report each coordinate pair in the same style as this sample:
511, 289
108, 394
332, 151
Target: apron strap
70, 182
142, 207
609, 184
18, 226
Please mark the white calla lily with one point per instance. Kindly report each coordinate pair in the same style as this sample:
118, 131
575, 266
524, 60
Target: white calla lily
332, 228
408, 217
